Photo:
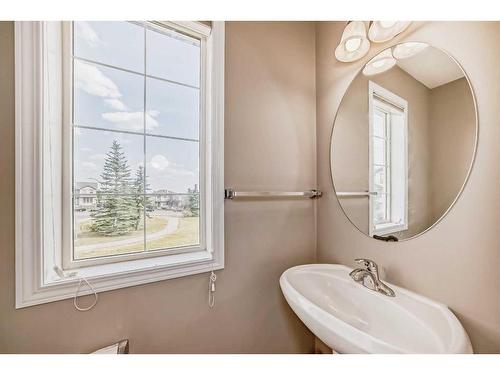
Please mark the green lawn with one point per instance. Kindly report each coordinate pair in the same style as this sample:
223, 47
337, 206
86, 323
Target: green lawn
187, 233
86, 237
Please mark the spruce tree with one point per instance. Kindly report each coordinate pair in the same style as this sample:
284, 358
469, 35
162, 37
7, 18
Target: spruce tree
193, 204
140, 200
115, 213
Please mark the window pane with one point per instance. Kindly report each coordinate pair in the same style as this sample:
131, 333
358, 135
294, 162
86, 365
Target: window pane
173, 110
172, 221
379, 179
120, 44
379, 151
171, 165
379, 124
112, 215
108, 98
379, 210
108, 192
108, 225
173, 56
110, 160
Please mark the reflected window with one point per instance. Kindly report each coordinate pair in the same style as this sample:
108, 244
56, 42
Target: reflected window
388, 154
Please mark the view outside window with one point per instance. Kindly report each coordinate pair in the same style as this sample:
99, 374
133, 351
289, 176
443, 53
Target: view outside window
136, 120
381, 134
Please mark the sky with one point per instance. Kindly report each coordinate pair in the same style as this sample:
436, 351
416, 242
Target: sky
112, 99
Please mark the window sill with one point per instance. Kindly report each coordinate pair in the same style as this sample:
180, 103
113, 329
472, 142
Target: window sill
389, 228
121, 275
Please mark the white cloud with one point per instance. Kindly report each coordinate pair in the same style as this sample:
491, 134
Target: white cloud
132, 121
159, 162
169, 169
87, 33
129, 120
91, 80
116, 104
151, 122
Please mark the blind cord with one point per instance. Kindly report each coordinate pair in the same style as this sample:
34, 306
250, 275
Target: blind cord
211, 289
75, 301
66, 275
47, 71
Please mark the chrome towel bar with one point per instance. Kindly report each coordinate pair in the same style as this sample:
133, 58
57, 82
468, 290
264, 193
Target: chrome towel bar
232, 194
355, 193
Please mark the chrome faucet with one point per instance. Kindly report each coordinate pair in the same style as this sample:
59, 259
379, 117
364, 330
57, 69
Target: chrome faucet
368, 277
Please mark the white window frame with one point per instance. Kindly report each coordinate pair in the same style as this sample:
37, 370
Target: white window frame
68, 261
377, 92
38, 256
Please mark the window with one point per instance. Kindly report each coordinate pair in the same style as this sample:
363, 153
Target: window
135, 128
388, 148
126, 183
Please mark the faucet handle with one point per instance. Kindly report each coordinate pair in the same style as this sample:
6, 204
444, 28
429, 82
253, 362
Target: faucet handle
368, 263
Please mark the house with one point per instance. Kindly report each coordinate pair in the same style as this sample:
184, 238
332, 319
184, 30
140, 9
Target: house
167, 200
85, 195
170, 200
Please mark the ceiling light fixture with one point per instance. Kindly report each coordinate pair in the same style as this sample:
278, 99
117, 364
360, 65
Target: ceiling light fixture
383, 31
408, 49
380, 63
354, 44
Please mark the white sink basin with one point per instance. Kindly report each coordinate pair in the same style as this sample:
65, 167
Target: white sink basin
353, 319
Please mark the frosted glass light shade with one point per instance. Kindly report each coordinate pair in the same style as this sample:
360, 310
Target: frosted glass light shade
383, 31
408, 49
354, 44
380, 63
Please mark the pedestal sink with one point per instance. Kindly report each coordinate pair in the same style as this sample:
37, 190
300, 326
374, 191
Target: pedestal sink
353, 319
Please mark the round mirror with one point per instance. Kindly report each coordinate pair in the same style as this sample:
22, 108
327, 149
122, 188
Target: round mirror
403, 141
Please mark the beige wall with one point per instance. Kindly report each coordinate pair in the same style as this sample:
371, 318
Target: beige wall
270, 143
452, 119
457, 261
350, 148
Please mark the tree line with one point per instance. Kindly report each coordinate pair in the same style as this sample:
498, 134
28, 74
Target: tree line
121, 202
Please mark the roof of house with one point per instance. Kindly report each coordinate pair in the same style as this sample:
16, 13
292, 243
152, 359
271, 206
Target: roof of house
82, 184
164, 191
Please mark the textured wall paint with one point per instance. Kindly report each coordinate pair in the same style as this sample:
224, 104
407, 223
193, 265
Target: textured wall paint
270, 143
457, 261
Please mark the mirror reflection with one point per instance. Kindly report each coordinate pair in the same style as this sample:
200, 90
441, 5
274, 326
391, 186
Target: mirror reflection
403, 141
